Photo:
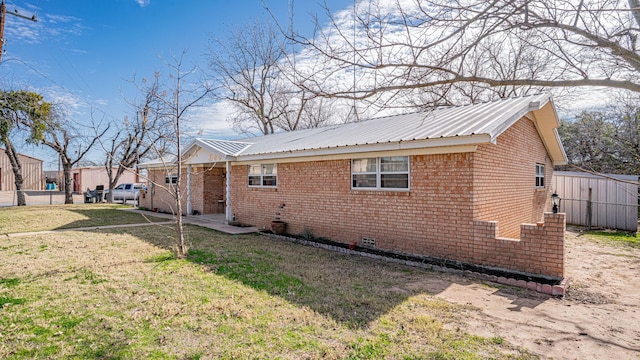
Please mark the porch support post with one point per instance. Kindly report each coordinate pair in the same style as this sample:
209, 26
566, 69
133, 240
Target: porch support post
189, 190
227, 210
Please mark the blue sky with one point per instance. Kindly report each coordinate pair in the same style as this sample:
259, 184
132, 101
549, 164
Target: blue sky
83, 52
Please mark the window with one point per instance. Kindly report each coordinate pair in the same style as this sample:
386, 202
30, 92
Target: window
171, 179
380, 173
263, 175
539, 175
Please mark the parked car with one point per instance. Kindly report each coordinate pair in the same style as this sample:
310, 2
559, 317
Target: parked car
127, 191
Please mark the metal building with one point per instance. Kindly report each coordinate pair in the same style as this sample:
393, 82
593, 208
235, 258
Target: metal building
607, 201
31, 172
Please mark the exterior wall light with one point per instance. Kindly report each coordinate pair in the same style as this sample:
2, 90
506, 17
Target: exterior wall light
555, 200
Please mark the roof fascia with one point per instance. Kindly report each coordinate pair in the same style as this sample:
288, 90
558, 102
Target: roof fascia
517, 115
546, 122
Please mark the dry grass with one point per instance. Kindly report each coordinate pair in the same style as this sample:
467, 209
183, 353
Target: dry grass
50, 217
119, 294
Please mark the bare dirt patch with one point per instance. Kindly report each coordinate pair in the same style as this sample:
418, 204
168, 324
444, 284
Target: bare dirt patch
599, 318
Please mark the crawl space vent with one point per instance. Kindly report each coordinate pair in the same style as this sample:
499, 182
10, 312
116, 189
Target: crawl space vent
370, 242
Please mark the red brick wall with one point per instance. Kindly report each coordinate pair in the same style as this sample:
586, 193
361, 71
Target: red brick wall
206, 189
160, 195
504, 179
540, 249
214, 190
434, 218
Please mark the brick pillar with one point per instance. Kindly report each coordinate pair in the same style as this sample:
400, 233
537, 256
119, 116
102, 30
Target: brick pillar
553, 239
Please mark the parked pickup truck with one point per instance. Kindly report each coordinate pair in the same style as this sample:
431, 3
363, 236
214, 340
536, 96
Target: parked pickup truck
130, 191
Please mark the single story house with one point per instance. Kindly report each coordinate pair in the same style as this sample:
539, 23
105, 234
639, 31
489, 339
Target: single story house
88, 177
31, 173
465, 183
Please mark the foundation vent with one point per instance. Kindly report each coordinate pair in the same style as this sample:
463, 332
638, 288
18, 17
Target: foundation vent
369, 242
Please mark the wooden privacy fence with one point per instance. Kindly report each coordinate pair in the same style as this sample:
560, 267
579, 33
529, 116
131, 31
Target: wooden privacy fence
609, 201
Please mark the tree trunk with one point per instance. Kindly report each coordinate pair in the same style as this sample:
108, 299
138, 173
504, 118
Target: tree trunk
68, 187
10, 150
182, 249
109, 197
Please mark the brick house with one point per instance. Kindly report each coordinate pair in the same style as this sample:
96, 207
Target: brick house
468, 183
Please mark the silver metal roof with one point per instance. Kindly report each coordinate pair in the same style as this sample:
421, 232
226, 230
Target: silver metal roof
456, 125
226, 147
490, 118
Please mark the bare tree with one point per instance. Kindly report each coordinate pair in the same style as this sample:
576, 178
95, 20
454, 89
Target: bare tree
147, 135
21, 110
176, 98
257, 77
246, 66
464, 48
71, 145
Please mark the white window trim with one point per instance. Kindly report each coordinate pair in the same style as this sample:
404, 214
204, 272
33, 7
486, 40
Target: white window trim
262, 175
379, 173
168, 179
540, 176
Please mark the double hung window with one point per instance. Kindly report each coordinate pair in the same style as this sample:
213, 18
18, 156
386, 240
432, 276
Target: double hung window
390, 172
171, 179
263, 175
539, 175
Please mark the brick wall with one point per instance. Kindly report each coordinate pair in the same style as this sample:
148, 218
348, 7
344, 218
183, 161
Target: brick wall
317, 195
206, 189
504, 179
214, 190
540, 249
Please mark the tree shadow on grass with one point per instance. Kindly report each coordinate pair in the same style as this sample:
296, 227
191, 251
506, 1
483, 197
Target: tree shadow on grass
104, 215
350, 289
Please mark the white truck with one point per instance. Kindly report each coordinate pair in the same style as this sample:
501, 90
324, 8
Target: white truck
127, 191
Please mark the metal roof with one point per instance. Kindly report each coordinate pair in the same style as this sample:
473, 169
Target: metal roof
225, 147
490, 118
446, 126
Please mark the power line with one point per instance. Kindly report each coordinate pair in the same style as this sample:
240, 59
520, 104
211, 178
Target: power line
3, 11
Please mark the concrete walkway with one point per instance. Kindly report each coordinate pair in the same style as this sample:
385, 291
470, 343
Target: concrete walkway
211, 221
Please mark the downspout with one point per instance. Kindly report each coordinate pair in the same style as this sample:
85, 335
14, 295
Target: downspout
188, 189
227, 210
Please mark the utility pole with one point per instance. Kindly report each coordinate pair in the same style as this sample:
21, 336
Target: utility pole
3, 11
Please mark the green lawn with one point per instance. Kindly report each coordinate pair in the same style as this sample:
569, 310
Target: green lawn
120, 294
615, 237
50, 217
